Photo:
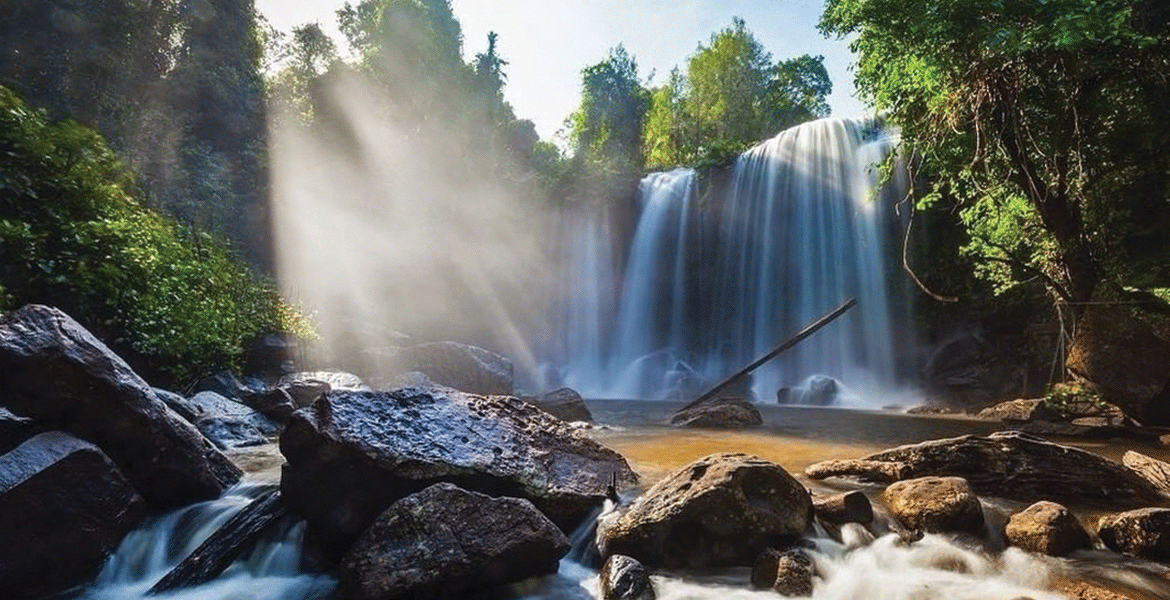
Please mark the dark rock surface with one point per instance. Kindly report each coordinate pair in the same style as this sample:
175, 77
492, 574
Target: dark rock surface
1047, 528
1007, 465
354, 453
14, 430
847, 507
719, 413
64, 507
1144, 533
565, 404
443, 542
935, 505
788, 573
54, 371
227, 423
623, 578
1125, 360
721, 510
224, 383
460, 366
274, 403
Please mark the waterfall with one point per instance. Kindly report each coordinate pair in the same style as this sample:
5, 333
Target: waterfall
722, 266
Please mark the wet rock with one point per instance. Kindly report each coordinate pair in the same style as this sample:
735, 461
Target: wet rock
64, 507
405, 380
930, 409
721, 510
227, 423
789, 573
460, 366
1046, 528
270, 354
1125, 360
719, 413
1008, 465
1144, 533
1020, 411
935, 505
839, 509
14, 430
336, 380
445, 541
224, 383
274, 403
565, 404
55, 372
342, 472
623, 578
1085, 590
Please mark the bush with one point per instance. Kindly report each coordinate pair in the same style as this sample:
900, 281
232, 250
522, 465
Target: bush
72, 236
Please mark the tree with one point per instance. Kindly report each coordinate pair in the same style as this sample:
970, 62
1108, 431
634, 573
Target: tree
731, 97
607, 128
1043, 120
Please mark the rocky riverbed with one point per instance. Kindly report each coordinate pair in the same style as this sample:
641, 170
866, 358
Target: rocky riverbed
110, 488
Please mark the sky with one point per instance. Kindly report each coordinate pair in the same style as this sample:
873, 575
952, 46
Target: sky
548, 42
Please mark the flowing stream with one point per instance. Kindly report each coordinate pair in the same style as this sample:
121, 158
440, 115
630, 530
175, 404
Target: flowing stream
719, 272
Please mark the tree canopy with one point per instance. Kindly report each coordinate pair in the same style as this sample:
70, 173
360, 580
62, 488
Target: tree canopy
1043, 120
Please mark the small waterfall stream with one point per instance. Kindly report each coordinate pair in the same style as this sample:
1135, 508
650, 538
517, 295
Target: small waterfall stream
272, 571
718, 273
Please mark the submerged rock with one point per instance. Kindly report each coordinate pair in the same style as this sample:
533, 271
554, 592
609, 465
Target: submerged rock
64, 507
721, 510
1047, 528
1007, 465
460, 366
54, 371
354, 453
935, 505
565, 404
623, 578
719, 413
445, 541
1144, 533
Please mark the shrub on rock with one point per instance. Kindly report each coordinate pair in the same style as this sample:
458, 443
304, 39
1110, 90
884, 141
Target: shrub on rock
721, 510
445, 541
64, 507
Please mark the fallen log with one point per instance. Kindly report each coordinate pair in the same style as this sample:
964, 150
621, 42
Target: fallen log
790, 342
1151, 469
215, 555
1009, 465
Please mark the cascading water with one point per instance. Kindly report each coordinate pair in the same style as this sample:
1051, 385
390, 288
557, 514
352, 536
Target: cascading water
720, 272
272, 571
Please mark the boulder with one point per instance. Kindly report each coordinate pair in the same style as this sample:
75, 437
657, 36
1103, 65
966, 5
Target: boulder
274, 403
460, 366
721, 510
1125, 360
1020, 411
342, 472
789, 573
839, 509
336, 380
224, 383
1007, 465
55, 372
444, 541
565, 404
1151, 469
1046, 528
1144, 533
719, 413
270, 354
64, 507
935, 505
227, 423
623, 578
14, 430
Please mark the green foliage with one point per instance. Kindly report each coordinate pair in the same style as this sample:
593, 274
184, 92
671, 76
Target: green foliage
731, 97
607, 128
1075, 399
1044, 120
72, 236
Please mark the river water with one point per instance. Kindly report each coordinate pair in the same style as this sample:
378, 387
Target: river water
860, 564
